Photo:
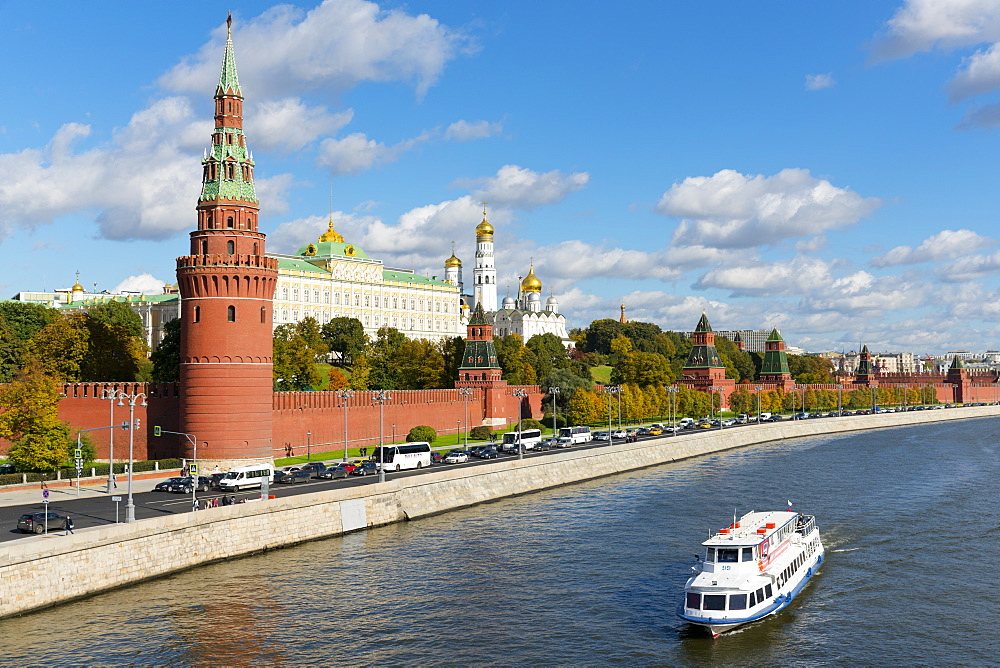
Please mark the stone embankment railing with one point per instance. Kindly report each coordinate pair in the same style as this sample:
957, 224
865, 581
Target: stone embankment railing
41, 571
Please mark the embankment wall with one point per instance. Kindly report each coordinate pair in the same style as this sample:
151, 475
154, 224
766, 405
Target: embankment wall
41, 571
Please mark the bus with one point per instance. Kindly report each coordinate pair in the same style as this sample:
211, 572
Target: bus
529, 438
576, 434
414, 455
243, 477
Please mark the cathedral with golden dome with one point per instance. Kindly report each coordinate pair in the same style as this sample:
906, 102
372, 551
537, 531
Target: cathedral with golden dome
525, 314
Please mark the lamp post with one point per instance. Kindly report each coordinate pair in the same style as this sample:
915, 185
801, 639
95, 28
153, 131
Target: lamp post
554, 393
309, 446
840, 401
758, 388
520, 394
111, 395
719, 390
132, 426
394, 432
344, 396
458, 430
381, 397
795, 389
466, 393
610, 390
874, 401
193, 466
672, 407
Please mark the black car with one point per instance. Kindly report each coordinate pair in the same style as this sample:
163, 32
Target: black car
488, 453
365, 468
314, 468
337, 471
288, 470
35, 522
215, 478
292, 477
7, 467
184, 486
168, 484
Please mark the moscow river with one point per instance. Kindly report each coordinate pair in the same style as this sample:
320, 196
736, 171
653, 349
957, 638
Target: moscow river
591, 574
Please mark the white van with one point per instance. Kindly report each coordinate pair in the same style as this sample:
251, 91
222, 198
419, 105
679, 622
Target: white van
245, 477
686, 423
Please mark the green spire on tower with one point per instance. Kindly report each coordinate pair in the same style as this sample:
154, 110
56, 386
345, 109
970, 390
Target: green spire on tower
775, 358
229, 82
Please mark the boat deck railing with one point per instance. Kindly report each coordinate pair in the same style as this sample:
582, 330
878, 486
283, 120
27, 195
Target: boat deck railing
805, 524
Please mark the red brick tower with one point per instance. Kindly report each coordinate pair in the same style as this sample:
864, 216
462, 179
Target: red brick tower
227, 287
481, 370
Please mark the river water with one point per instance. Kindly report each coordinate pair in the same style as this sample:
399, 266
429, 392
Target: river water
590, 574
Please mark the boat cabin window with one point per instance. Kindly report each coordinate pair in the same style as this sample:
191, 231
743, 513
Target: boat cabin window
747, 554
767, 590
715, 602
711, 554
728, 555
738, 602
760, 595
694, 601
753, 599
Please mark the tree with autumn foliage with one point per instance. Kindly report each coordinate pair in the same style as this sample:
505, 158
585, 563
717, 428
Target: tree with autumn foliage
30, 421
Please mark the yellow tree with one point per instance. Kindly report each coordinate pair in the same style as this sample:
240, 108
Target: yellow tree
61, 346
30, 421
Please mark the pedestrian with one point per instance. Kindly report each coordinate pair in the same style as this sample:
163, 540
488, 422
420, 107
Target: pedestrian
232, 499
364, 451
68, 525
225, 500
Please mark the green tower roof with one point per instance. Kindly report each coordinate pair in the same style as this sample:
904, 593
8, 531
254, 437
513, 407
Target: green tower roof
703, 325
228, 79
775, 336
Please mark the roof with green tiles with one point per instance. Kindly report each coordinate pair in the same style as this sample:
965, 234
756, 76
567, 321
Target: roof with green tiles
407, 277
332, 249
298, 264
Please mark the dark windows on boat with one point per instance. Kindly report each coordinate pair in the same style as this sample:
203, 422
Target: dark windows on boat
711, 554
747, 554
694, 601
714, 602
767, 590
760, 595
727, 555
737, 601
753, 599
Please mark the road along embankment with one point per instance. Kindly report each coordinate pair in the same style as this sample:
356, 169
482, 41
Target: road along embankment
41, 571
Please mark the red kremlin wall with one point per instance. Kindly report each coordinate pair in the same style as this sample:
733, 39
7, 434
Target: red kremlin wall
295, 415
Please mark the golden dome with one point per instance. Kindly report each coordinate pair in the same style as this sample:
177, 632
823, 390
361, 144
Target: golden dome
531, 283
76, 288
484, 229
330, 235
453, 261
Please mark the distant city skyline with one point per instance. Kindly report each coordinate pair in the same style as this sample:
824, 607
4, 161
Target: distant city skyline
829, 170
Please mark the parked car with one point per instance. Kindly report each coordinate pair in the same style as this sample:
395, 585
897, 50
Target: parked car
601, 435
7, 467
365, 468
474, 450
184, 485
655, 431
35, 522
619, 433
215, 478
488, 453
341, 470
292, 477
314, 468
456, 457
167, 484
436, 457
642, 431
565, 442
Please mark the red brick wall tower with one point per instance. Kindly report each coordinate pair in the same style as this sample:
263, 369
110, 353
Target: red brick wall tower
227, 287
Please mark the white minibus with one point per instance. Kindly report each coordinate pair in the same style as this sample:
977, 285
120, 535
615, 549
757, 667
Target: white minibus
576, 434
529, 439
245, 477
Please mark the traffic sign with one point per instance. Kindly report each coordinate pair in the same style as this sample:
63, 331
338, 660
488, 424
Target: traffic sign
116, 499
157, 431
45, 494
77, 453
193, 468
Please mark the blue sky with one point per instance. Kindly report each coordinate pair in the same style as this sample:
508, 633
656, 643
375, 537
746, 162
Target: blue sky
829, 169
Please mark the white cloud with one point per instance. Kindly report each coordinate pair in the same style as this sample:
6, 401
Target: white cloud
333, 46
968, 268
520, 188
922, 25
944, 244
147, 284
465, 131
980, 73
797, 276
356, 152
733, 210
574, 260
811, 245
819, 81
289, 124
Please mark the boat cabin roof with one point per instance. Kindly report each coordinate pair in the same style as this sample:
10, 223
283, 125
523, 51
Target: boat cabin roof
751, 529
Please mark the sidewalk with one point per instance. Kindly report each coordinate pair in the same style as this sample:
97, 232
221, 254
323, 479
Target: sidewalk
64, 490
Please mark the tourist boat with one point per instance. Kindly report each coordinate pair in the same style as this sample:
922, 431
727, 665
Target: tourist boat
752, 569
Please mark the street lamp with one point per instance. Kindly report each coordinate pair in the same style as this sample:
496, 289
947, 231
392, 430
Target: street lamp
111, 395
466, 393
344, 396
672, 407
719, 390
520, 394
554, 393
609, 390
840, 401
132, 426
381, 397
758, 388
309, 445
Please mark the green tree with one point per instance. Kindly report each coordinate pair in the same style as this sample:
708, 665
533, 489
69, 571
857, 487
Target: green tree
384, 374
599, 335
118, 348
810, 369
421, 433
452, 350
166, 358
61, 347
585, 406
360, 373
419, 365
738, 364
24, 319
642, 369
346, 337
294, 360
30, 421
